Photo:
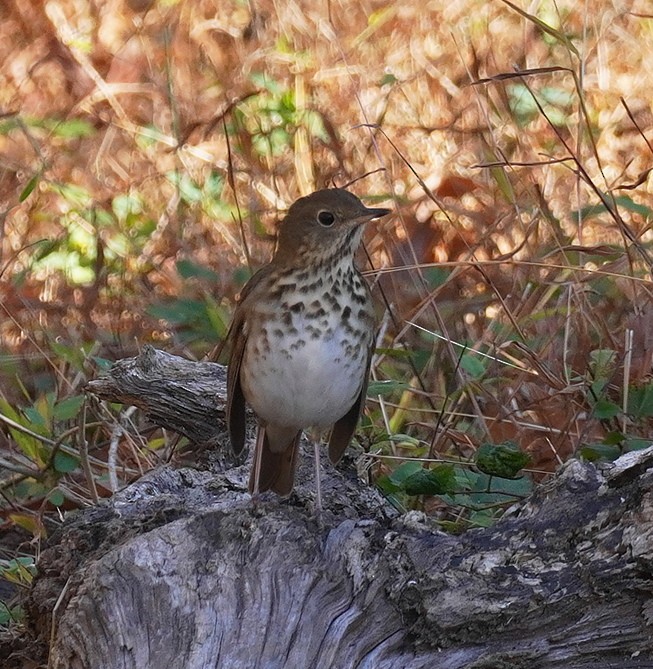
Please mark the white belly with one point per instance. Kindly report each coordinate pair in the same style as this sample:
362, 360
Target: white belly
303, 381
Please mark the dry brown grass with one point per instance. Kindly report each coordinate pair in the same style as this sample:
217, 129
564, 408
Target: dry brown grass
136, 135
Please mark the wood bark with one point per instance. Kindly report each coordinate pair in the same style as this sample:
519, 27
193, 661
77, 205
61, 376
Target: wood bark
182, 569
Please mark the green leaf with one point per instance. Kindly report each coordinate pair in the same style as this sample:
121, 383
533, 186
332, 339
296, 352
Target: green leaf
189, 190
613, 438
124, 205
597, 386
9, 615
30, 446
629, 204
156, 443
622, 201
214, 184
439, 480
241, 276
78, 196
31, 185
68, 408
595, 452
65, 463
28, 521
263, 80
637, 443
404, 471
604, 409
554, 101
406, 440
19, 565
179, 312
602, 362
386, 486
41, 413
56, 497
187, 269
388, 79
75, 355
518, 487
218, 316
483, 518
504, 460
45, 247
400, 353
473, 365
384, 387
436, 276
73, 128
640, 401
102, 363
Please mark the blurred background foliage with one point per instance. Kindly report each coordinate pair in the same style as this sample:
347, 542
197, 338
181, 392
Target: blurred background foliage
147, 148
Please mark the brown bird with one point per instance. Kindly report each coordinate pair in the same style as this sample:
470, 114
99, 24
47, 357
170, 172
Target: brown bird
301, 339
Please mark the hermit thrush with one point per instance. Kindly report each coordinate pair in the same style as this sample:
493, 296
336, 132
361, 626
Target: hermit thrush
301, 339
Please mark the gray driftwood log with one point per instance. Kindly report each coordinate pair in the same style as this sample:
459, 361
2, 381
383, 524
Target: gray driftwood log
182, 570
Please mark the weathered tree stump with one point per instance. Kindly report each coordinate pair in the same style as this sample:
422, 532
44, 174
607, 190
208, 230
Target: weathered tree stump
182, 569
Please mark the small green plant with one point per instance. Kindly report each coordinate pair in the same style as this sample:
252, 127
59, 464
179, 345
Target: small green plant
272, 118
476, 491
18, 571
195, 318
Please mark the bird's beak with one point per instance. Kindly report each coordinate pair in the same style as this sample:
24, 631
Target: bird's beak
368, 214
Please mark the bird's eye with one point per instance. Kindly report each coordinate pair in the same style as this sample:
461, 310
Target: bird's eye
326, 219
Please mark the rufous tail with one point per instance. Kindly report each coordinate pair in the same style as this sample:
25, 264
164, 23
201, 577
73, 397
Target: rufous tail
273, 470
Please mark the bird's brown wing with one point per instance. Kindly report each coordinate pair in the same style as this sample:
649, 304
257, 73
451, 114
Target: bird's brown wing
343, 430
235, 397
237, 338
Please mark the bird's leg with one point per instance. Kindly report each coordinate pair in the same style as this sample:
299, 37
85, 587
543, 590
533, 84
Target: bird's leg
318, 482
255, 474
